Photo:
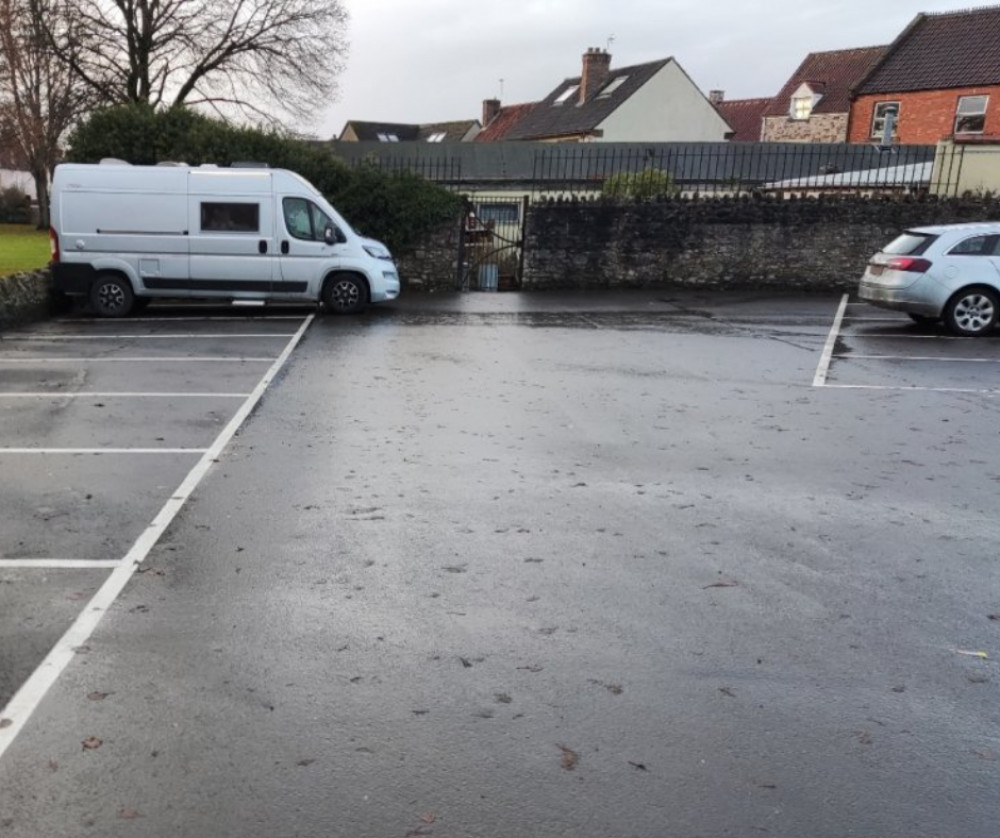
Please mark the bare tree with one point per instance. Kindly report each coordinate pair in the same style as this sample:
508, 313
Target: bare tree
254, 57
40, 99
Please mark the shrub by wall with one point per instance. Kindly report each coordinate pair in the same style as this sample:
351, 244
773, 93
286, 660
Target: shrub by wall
25, 297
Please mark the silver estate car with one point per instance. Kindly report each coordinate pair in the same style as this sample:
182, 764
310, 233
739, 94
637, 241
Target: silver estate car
949, 272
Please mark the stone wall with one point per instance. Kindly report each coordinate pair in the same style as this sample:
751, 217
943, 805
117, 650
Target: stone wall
433, 264
24, 297
815, 244
819, 128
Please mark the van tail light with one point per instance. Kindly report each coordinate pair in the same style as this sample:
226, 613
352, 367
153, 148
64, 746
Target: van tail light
54, 245
908, 263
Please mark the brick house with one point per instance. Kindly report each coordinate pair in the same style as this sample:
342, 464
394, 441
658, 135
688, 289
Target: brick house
652, 102
939, 79
814, 105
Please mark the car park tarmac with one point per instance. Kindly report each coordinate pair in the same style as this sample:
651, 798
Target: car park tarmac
613, 564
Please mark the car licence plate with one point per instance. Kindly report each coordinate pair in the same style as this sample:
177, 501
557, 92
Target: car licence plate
875, 270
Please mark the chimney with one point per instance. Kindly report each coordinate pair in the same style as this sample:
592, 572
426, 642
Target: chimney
596, 69
716, 96
491, 107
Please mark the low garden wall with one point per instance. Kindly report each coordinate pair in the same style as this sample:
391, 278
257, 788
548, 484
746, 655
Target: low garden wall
24, 297
787, 244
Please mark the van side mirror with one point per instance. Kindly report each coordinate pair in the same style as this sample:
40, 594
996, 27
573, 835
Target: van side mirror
331, 235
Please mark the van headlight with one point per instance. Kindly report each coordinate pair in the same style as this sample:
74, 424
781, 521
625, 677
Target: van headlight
377, 252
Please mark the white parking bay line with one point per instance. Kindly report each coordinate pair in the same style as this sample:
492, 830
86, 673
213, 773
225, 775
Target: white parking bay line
165, 336
19, 709
60, 564
104, 450
86, 395
824, 361
162, 359
903, 387
918, 358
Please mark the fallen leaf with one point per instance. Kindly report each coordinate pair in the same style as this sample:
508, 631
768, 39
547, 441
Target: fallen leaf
4, 723
721, 585
96, 696
638, 766
995, 618
864, 737
53, 766
569, 758
466, 663
129, 814
980, 655
533, 668
986, 754
727, 691
92, 744
305, 762
428, 818
76, 596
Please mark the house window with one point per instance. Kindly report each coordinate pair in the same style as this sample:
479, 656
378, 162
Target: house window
388, 138
566, 94
882, 110
802, 107
508, 213
970, 116
612, 86
437, 138
230, 218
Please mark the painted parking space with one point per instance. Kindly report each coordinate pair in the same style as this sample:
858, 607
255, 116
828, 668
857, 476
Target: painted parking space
873, 349
106, 428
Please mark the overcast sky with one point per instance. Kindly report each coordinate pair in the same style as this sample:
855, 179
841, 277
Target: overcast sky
433, 60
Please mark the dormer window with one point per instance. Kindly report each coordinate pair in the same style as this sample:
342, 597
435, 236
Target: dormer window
803, 101
566, 94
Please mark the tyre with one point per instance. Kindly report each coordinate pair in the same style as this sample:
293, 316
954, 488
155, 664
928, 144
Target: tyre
923, 319
111, 296
972, 312
345, 294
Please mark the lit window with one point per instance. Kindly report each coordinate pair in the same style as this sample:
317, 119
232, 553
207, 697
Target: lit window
883, 110
437, 138
802, 107
569, 91
970, 116
612, 86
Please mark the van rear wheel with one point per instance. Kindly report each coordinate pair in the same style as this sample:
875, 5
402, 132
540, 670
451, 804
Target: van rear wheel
111, 296
345, 294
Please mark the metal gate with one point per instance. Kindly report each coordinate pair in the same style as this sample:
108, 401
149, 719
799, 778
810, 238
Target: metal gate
491, 243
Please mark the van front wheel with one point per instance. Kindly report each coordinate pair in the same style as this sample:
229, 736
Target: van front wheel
345, 294
111, 296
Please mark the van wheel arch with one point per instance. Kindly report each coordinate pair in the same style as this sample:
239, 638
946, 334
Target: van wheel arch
111, 294
345, 292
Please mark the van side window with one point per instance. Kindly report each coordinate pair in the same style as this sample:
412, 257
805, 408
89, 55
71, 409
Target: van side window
230, 218
305, 220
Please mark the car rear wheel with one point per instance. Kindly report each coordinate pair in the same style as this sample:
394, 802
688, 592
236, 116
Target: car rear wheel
972, 312
345, 294
111, 296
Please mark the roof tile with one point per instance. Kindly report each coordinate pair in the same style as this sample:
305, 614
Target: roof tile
831, 73
744, 117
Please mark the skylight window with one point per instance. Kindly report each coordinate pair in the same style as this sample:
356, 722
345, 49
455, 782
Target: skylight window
563, 97
437, 138
388, 138
612, 86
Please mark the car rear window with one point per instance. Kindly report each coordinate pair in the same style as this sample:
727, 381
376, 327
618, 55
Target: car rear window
910, 244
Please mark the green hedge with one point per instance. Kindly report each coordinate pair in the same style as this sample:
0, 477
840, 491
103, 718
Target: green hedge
395, 208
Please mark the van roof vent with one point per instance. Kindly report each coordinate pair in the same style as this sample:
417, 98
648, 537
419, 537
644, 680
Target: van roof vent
173, 163
114, 161
248, 165
209, 166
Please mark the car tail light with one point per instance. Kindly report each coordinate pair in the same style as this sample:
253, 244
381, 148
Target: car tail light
908, 263
54, 245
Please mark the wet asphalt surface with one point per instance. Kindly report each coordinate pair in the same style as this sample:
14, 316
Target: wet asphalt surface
499, 565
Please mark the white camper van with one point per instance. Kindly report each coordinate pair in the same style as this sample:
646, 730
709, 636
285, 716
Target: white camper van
122, 235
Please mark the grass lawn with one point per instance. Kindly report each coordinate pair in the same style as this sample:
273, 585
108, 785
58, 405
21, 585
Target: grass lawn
22, 248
